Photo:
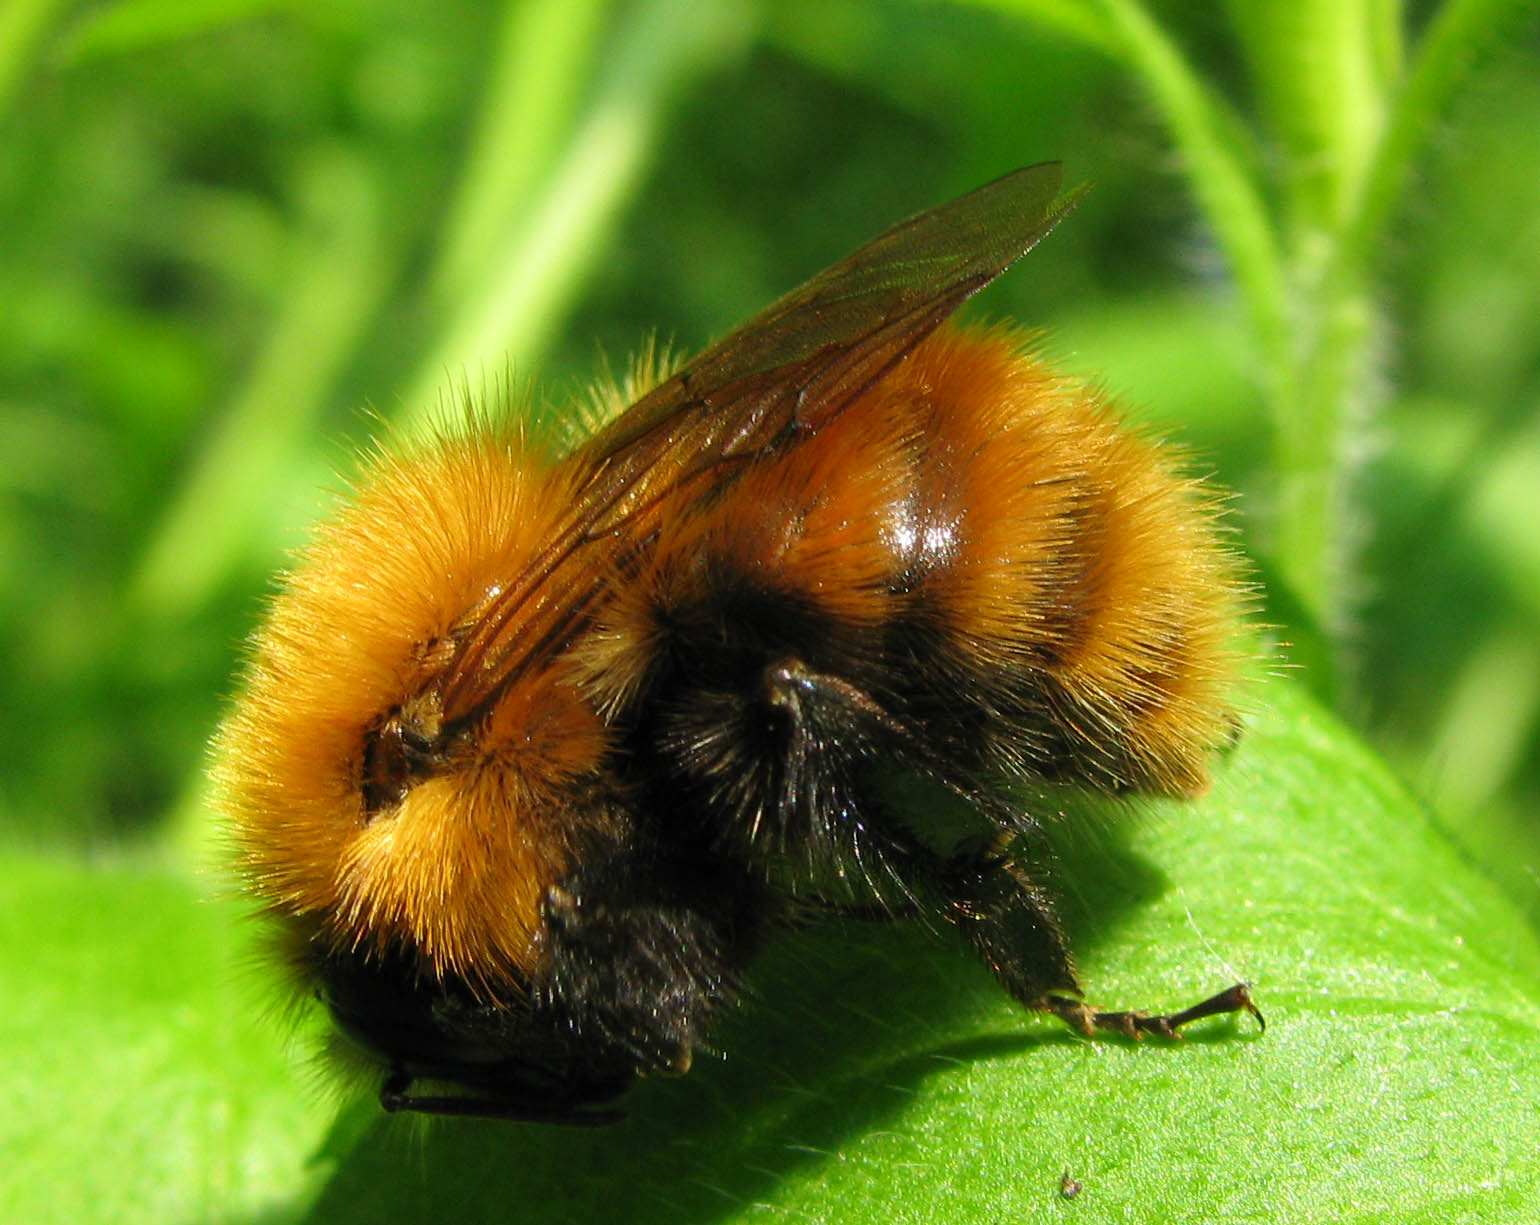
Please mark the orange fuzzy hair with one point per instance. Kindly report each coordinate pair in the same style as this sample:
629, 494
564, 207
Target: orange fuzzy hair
428, 535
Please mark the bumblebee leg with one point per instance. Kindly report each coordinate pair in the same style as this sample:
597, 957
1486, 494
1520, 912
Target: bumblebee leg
395, 1097
642, 956
1007, 916
858, 912
1082, 1016
1011, 921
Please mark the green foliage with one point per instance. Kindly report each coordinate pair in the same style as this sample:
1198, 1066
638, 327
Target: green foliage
228, 225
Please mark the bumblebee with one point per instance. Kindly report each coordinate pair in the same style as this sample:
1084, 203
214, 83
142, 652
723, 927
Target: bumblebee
539, 740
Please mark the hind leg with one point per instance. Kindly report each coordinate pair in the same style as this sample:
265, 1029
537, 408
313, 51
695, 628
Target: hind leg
1011, 921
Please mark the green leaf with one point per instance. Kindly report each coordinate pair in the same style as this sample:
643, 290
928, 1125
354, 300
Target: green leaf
143, 1077
878, 1074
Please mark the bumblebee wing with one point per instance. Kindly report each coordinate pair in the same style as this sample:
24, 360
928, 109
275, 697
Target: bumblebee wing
784, 374
803, 359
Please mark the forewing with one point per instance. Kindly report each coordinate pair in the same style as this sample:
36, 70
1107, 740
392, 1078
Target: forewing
803, 359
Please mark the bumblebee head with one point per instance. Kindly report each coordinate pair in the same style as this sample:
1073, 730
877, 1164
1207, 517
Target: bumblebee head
355, 807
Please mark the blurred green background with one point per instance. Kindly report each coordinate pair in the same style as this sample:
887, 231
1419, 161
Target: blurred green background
226, 226
232, 230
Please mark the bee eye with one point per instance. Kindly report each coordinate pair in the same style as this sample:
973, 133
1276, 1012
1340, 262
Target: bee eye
385, 768
396, 756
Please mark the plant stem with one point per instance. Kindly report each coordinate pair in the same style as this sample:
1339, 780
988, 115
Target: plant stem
1444, 57
531, 280
1227, 191
544, 57
1350, 117
341, 274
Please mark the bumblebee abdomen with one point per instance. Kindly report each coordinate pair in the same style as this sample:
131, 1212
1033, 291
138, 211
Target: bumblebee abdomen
1078, 584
